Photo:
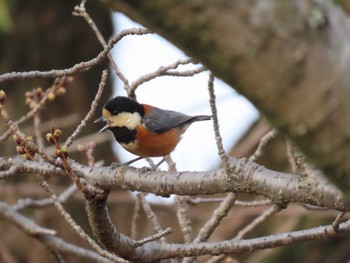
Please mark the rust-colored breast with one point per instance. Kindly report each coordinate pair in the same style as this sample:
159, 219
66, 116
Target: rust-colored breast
151, 144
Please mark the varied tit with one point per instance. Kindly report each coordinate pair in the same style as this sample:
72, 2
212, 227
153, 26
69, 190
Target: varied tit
145, 130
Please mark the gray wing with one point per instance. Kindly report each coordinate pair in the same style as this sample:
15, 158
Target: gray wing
159, 120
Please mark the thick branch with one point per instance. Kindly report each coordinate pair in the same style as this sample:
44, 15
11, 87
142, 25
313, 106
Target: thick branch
243, 176
250, 245
103, 228
277, 54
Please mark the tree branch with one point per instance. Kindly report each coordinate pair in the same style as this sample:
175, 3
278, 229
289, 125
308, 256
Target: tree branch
80, 67
46, 236
243, 176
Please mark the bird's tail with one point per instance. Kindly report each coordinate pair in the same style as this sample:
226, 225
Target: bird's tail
201, 118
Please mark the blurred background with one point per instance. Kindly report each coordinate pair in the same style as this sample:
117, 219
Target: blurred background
43, 35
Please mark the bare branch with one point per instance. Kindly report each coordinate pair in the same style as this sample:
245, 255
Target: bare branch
218, 137
151, 216
38, 106
264, 141
154, 237
92, 110
21, 139
291, 157
244, 231
215, 220
46, 237
29, 202
258, 220
337, 220
81, 11
80, 67
135, 217
161, 71
243, 176
183, 218
74, 226
251, 245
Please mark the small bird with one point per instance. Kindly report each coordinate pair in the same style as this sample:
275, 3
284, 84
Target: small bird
145, 130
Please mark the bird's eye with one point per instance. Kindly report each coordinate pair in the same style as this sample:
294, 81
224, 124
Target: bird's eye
115, 112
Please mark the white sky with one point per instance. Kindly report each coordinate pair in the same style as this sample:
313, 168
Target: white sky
138, 55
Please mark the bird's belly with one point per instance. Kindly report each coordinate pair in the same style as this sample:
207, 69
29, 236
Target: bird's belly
149, 144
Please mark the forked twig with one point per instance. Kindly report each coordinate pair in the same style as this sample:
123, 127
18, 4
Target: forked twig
75, 227
81, 11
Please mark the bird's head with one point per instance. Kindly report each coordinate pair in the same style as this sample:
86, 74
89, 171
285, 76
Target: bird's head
121, 112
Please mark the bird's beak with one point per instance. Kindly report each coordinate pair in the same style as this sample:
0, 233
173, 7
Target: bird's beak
101, 119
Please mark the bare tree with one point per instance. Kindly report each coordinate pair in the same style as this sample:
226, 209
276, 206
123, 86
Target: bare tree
277, 54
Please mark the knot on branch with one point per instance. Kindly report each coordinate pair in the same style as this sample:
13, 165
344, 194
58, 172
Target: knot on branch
5, 163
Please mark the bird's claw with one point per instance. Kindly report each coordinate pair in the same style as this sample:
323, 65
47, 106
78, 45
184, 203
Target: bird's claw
115, 165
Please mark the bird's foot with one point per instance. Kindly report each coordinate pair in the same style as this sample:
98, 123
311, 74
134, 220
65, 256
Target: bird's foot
154, 167
115, 165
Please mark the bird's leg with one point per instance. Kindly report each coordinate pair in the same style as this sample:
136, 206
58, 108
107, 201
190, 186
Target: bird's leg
155, 167
132, 161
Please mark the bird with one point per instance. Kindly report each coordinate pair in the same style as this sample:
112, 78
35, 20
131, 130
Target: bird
145, 130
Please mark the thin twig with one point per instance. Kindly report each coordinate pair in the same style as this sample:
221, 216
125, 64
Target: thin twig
31, 203
81, 11
52, 242
216, 218
22, 139
92, 110
135, 217
291, 157
151, 215
257, 221
79, 67
75, 227
182, 212
38, 135
33, 112
88, 149
183, 218
154, 237
186, 73
338, 220
159, 72
264, 141
216, 128
248, 228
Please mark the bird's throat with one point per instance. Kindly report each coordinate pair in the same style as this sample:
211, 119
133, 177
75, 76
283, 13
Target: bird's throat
124, 135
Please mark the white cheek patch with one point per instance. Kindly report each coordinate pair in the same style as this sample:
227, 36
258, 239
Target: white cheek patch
126, 119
